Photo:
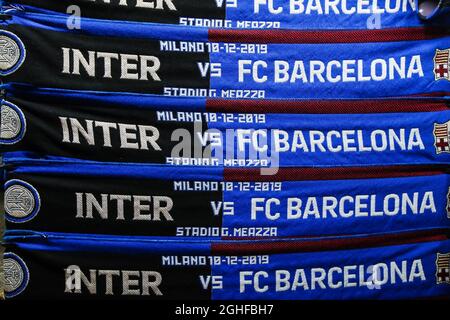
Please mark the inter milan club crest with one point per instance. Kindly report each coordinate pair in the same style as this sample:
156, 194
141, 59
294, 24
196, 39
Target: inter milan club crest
448, 203
22, 201
12, 52
441, 65
12, 123
443, 268
442, 137
16, 274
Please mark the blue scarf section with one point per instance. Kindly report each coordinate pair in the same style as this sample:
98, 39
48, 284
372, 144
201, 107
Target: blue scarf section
236, 139
398, 271
220, 206
254, 14
234, 70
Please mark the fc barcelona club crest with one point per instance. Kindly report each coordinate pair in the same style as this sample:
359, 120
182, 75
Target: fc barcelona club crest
442, 137
12, 52
22, 201
443, 268
16, 274
441, 65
